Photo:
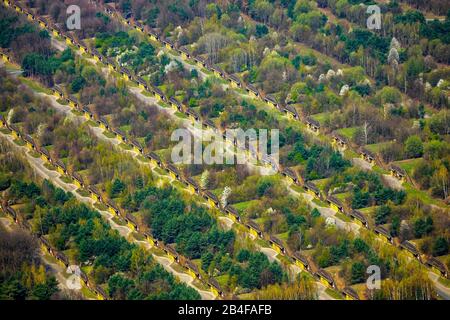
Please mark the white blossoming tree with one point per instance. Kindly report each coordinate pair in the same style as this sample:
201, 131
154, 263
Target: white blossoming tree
345, 88
395, 44
204, 180
10, 115
330, 74
393, 56
225, 194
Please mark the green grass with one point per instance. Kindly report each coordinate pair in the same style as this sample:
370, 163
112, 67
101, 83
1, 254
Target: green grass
445, 282
92, 123
319, 202
156, 251
343, 217
334, 294
297, 188
246, 296
379, 170
11, 67
349, 154
126, 128
343, 196
163, 104
206, 71
175, 266
125, 146
131, 84
88, 293
192, 63
109, 134
347, 132
241, 206
100, 206
360, 288
422, 195
198, 284
35, 86
283, 258
147, 94
62, 102
321, 117
83, 193
409, 164
307, 275
49, 258
177, 184
377, 147
66, 179
223, 280
142, 158
138, 236
368, 210
173, 52
160, 171
283, 236
181, 115
119, 221
76, 112
262, 243
321, 183
34, 154
19, 142
49, 166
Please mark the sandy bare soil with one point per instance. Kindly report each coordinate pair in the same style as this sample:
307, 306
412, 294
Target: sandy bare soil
392, 182
362, 164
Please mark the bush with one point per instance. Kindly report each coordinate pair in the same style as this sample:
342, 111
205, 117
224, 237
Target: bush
358, 273
440, 247
414, 147
381, 214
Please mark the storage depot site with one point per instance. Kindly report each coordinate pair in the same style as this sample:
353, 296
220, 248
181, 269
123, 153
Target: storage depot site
349, 200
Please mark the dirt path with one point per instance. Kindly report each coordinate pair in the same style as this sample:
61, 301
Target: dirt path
362, 164
294, 270
270, 253
226, 223
442, 291
61, 46
392, 182
321, 292
59, 272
